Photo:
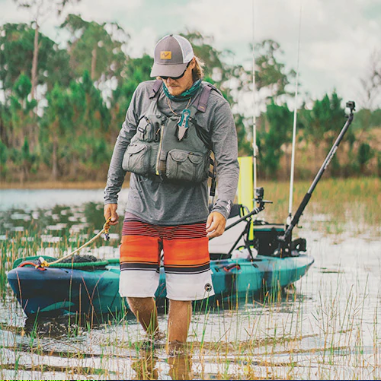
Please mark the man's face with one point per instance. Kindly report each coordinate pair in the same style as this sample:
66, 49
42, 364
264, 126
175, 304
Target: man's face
178, 86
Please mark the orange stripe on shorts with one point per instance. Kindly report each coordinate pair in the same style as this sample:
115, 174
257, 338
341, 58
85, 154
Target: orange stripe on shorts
185, 247
139, 249
186, 252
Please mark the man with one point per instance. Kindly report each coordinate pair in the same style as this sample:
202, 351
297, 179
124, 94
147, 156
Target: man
171, 126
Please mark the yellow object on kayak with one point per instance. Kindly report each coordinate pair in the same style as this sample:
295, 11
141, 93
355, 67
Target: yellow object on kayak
245, 182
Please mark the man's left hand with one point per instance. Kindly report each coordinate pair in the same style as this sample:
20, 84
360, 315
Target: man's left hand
215, 225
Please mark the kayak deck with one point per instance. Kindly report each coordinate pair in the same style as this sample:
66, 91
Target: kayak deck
58, 291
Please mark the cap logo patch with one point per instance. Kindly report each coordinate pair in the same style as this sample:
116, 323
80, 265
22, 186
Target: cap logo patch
165, 55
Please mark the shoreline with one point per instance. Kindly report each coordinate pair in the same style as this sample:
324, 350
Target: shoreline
55, 185
83, 185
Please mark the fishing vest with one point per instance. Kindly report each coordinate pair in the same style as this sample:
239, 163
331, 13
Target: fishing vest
173, 148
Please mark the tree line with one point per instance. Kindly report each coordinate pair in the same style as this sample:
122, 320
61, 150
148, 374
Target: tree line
60, 113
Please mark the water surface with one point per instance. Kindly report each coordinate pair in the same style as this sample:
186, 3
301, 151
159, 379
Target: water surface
327, 327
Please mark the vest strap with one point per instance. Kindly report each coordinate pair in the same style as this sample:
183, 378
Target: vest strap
204, 97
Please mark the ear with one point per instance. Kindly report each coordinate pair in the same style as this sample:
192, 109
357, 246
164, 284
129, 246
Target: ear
193, 63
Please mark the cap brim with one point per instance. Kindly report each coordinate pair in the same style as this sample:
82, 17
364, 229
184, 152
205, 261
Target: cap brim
167, 70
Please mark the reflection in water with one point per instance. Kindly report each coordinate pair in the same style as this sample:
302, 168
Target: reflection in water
180, 367
145, 367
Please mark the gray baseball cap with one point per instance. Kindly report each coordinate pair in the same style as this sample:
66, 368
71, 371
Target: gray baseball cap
171, 57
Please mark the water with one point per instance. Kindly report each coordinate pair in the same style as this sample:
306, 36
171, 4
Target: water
327, 327
48, 198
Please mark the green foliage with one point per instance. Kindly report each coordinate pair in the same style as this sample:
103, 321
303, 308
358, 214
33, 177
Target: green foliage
270, 73
25, 153
323, 123
21, 90
139, 69
365, 153
100, 153
244, 146
89, 85
324, 119
278, 131
24, 160
16, 53
20, 135
94, 49
16, 42
75, 122
22, 87
3, 158
3, 153
367, 119
56, 128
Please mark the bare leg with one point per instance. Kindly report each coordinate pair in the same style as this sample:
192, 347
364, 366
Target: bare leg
145, 311
179, 318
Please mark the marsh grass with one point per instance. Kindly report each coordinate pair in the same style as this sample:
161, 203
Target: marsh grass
342, 204
326, 327
271, 339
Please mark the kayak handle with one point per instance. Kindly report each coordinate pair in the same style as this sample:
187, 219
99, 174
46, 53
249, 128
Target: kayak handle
36, 266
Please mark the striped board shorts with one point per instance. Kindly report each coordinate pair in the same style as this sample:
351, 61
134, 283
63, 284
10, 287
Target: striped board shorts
185, 259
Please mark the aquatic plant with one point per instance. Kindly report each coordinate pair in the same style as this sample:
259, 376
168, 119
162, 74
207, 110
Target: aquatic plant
325, 327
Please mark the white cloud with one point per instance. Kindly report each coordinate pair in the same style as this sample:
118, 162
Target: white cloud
142, 42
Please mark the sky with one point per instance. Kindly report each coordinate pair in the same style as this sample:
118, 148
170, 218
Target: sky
337, 37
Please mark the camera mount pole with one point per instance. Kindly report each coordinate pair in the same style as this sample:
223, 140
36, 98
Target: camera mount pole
285, 238
259, 192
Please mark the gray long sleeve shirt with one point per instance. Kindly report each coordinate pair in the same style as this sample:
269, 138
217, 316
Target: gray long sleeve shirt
164, 203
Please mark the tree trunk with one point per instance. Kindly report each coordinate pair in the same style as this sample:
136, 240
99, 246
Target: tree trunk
21, 177
35, 62
73, 168
54, 160
93, 62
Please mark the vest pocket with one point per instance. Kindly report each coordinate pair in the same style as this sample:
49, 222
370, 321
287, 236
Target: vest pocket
187, 166
146, 130
137, 159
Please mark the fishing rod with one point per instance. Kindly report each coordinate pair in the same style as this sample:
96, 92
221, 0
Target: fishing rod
294, 124
285, 240
255, 148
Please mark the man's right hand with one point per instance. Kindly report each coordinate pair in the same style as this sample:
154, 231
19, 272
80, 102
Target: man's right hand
110, 211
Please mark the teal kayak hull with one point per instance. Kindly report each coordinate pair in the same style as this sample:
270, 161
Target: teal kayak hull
59, 291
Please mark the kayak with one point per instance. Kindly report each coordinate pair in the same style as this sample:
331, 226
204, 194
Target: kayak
58, 291
241, 267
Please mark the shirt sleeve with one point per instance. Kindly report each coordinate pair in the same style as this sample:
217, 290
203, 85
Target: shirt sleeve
225, 147
116, 173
